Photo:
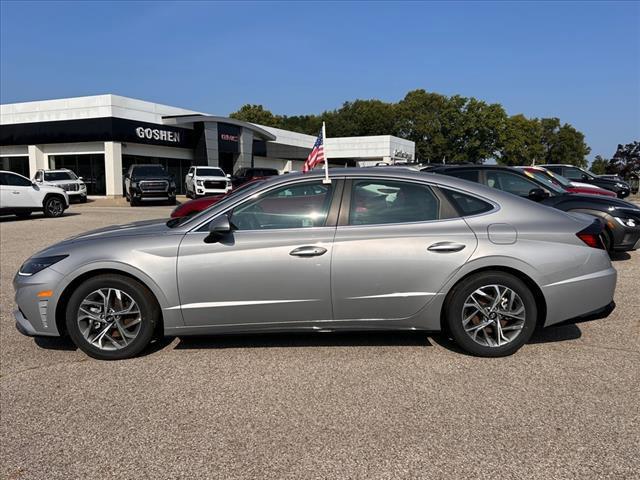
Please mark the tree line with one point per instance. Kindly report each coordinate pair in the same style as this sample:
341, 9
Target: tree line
450, 129
625, 160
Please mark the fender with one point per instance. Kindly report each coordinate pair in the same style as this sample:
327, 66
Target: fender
171, 318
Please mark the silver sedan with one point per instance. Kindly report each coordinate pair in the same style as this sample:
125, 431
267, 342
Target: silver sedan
374, 249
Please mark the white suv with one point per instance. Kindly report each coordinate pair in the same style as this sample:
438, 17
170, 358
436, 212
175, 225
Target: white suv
66, 180
19, 196
206, 181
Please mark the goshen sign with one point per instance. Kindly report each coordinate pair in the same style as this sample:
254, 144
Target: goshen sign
157, 134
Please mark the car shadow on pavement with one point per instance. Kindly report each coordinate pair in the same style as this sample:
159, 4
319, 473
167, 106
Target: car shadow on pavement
556, 333
55, 343
34, 216
312, 339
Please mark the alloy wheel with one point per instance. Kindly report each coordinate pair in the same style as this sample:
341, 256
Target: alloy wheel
55, 207
493, 315
109, 319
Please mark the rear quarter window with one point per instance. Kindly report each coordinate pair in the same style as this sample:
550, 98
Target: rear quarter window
467, 205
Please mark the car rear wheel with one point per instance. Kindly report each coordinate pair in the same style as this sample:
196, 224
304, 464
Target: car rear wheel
607, 240
111, 317
53, 206
491, 314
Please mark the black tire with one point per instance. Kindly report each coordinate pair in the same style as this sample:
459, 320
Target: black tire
54, 206
607, 240
149, 310
172, 201
133, 202
454, 310
186, 190
23, 214
83, 199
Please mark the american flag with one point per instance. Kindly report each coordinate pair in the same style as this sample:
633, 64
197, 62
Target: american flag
316, 157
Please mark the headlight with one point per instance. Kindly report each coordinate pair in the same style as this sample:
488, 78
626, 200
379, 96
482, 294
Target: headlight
172, 184
620, 185
34, 265
626, 222
134, 184
199, 183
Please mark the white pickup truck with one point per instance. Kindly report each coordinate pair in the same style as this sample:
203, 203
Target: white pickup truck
202, 181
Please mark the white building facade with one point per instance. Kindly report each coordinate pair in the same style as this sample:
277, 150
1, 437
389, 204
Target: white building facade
98, 137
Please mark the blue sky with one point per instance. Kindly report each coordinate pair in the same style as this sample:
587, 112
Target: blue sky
579, 61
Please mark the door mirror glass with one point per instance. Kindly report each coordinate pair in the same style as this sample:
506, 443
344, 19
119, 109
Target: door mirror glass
228, 175
537, 194
218, 228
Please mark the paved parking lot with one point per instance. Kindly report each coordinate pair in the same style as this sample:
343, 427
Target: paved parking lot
316, 406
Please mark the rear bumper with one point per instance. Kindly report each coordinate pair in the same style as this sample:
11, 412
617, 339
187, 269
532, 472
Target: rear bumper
579, 296
598, 314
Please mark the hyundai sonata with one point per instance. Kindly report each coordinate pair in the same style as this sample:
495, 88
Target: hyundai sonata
374, 249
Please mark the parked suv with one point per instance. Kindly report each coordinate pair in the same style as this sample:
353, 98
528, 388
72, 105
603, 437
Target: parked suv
19, 196
621, 218
206, 181
250, 173
148, 183
66, 180
576, 174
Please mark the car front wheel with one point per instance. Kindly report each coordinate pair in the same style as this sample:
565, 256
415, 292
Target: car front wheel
54, 206
112, 317
491, 314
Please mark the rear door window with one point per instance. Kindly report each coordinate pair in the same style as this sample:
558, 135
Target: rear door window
377, 202
510, 182
470, 175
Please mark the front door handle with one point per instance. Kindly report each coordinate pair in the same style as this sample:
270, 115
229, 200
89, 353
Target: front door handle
308, 251
446, 247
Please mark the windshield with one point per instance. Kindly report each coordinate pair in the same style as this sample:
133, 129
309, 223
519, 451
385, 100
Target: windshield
210, 172
149, 170
55, 176
548, 182
175, 222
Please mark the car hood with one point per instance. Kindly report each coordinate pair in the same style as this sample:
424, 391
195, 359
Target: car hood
147, 227
610, 203
60, 182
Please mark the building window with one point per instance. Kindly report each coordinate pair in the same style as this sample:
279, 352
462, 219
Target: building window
88, 166
15, 164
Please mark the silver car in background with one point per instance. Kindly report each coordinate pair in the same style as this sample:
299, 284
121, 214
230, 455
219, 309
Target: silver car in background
374, 249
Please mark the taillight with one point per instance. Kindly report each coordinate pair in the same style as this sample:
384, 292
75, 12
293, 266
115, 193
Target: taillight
591, 234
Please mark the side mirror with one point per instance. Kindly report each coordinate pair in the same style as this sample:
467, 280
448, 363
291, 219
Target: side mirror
585, 177
81, 178
190, 174
218, 228
537, 194
228, 175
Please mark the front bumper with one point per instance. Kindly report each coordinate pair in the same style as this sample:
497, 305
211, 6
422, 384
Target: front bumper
36, 316
202, 191
625, 238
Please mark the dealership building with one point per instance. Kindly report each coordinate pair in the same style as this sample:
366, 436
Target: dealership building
99, 137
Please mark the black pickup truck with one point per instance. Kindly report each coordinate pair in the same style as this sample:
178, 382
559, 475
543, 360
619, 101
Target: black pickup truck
149, 183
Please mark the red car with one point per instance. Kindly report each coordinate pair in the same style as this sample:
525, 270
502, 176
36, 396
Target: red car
199, 204
544, 175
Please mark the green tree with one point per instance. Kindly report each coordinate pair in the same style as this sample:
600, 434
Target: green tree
563, 143
626, 159
599, 165
521, 141
256, 114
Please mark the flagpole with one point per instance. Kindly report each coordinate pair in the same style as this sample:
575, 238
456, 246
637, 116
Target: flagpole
326, 158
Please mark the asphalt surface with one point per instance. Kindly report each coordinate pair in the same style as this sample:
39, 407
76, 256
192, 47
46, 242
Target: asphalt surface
316, 406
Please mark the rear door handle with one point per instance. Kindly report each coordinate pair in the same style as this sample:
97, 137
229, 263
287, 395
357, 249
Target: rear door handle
446, 247
308, 251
